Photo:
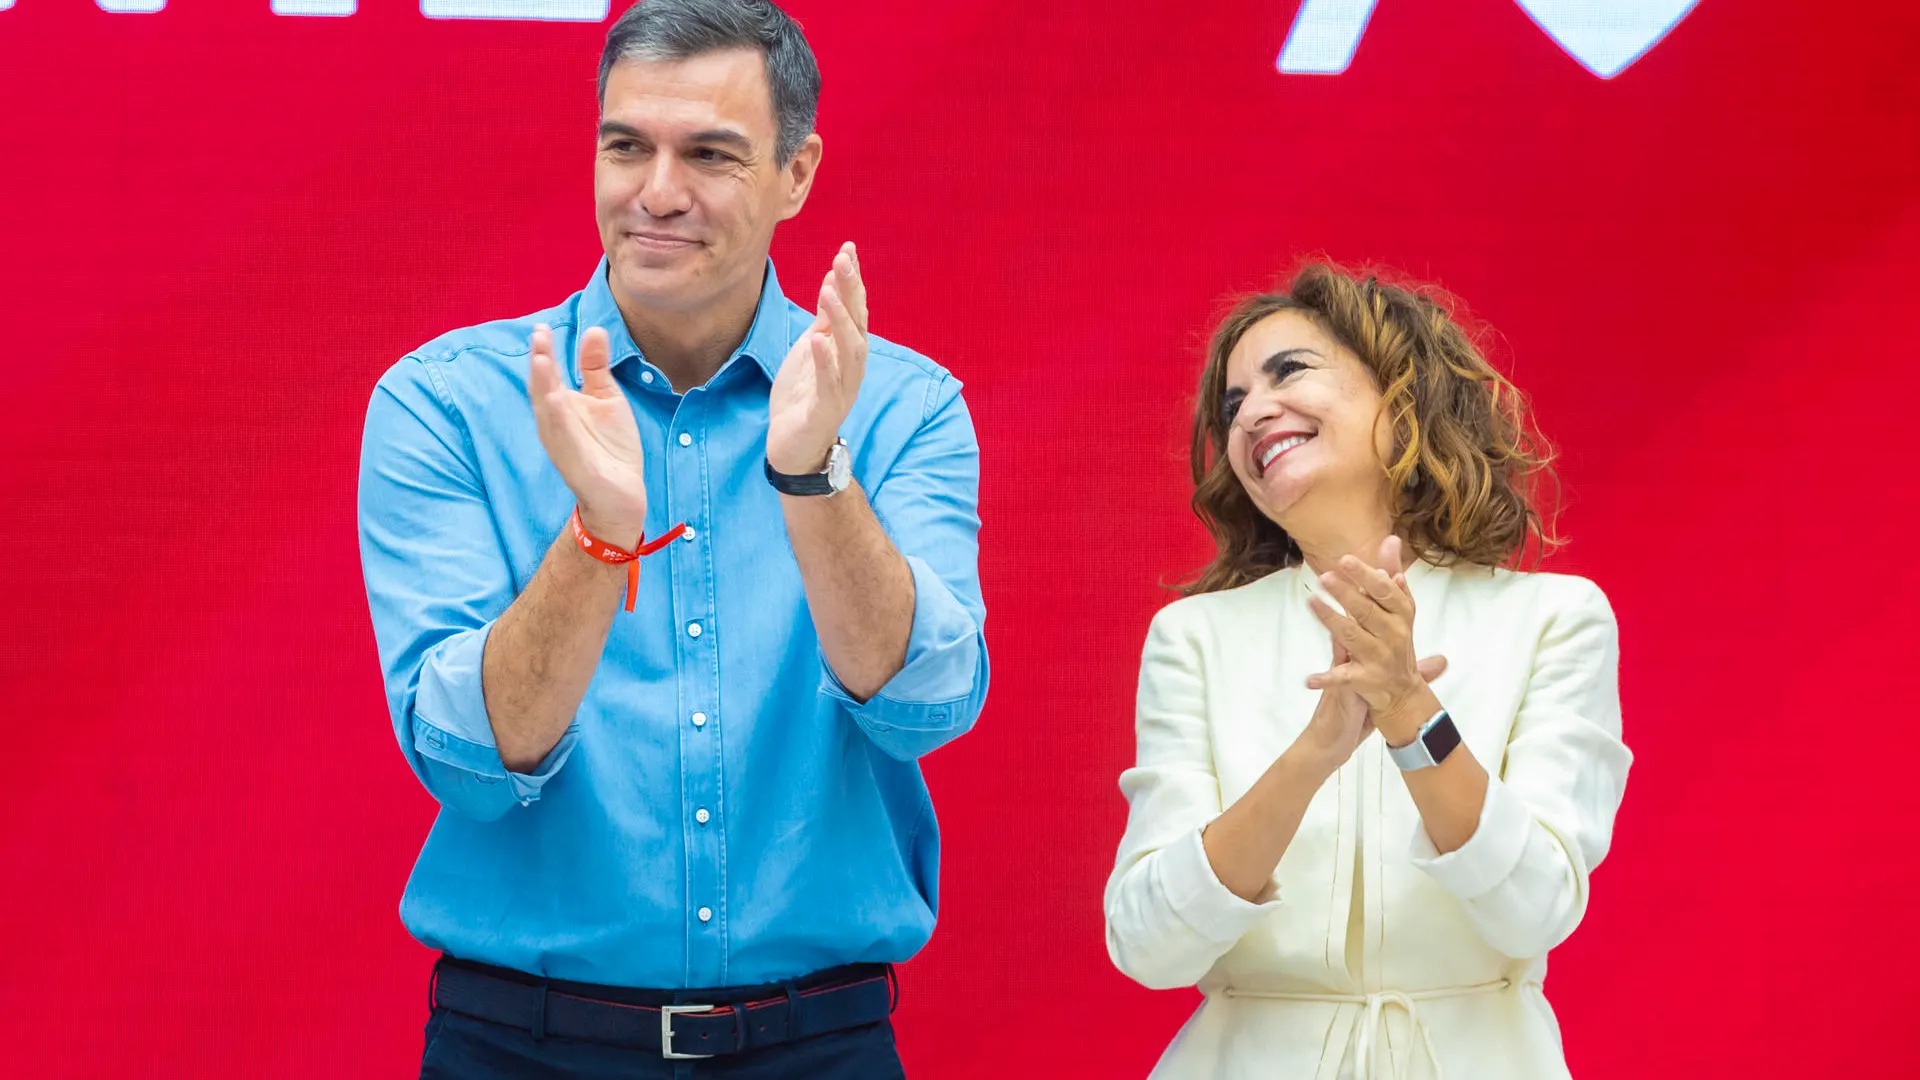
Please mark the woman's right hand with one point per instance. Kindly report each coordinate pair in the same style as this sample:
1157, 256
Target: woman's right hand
1342, 721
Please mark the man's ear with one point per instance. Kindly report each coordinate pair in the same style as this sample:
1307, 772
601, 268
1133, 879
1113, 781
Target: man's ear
799, 174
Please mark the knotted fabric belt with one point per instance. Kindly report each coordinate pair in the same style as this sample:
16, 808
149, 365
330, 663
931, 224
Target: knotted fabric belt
1376, 1006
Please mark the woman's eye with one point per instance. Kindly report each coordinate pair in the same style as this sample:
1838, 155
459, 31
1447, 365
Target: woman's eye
1286, 368
1230, 407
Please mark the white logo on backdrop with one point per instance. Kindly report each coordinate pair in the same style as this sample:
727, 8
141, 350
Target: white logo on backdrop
525, 10
1604, 35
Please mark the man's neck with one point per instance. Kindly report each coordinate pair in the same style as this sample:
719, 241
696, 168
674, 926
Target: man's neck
689, 347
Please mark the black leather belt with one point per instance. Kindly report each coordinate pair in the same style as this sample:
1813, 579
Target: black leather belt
692, 1029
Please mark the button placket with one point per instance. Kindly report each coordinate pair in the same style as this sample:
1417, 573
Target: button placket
696, 645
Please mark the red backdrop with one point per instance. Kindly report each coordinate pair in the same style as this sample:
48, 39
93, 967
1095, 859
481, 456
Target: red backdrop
220, 225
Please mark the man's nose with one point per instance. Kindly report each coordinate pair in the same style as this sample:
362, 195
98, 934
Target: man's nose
664, 192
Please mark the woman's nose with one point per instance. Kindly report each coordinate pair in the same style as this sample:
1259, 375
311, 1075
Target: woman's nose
1257, 410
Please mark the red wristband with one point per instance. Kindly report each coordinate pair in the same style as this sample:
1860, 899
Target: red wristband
607, 553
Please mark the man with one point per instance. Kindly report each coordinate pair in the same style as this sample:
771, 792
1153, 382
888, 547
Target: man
695, 826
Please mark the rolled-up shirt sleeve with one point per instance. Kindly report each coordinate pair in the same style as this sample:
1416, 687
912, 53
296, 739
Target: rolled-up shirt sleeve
1168, 916
436, 581
927, 503
1547, 820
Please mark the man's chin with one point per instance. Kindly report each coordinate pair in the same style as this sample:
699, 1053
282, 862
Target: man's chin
647, 281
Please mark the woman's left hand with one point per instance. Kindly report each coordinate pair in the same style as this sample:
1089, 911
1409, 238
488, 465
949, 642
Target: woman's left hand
1377, 635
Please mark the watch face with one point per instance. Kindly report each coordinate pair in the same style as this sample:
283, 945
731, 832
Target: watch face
839, 467
1442, 738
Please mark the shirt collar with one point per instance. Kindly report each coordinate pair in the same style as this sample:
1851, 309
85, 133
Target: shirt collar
767, 341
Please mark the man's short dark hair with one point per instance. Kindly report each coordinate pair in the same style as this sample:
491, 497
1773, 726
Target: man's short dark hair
683, 29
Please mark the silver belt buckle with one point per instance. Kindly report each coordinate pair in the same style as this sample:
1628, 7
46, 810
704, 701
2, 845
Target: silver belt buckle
667, 1013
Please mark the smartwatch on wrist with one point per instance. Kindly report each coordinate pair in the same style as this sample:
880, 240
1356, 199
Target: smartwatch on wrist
1436, 740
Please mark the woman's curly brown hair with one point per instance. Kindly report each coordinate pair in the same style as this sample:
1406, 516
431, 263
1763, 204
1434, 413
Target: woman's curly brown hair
1468, 464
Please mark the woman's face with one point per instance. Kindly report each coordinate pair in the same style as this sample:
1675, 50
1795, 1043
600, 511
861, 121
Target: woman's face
1305, 431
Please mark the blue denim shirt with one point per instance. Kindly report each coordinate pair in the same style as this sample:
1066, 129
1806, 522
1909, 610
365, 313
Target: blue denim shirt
720, 812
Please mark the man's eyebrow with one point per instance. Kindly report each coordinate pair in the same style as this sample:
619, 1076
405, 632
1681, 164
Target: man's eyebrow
723, 136
708, 137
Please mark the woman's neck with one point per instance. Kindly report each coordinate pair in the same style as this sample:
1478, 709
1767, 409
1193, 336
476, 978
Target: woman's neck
1324, 548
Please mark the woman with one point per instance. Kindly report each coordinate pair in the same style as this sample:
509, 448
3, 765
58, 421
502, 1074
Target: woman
1354, 906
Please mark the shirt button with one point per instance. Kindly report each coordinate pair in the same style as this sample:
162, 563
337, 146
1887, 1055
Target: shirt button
646, 376
699, 719
706, 914
693, 629
690, 533
701, 815
686, 439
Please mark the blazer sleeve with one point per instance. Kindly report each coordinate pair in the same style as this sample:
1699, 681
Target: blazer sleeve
1548, 816
1168, 917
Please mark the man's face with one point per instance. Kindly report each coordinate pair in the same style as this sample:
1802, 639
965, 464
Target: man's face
687, 187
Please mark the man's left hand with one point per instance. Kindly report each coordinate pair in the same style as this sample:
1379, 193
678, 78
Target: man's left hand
820, 377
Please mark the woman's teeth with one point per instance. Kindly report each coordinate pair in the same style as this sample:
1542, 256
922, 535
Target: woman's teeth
1279, 448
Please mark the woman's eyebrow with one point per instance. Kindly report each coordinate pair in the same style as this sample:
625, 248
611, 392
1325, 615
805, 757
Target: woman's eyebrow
1279, 360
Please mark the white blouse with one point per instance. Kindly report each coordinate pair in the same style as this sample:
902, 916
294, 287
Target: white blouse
1371, 955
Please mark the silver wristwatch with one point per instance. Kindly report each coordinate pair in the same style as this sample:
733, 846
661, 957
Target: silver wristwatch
832, 480
1436, 740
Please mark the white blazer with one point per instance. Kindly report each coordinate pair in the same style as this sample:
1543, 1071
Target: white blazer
1371, 955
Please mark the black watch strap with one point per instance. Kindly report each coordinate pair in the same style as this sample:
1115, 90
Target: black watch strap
798, 483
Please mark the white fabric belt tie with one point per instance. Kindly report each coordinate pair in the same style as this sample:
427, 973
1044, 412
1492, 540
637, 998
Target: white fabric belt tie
1376, 1005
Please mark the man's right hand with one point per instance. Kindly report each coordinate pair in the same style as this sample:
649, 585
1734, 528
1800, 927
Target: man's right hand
591, 437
